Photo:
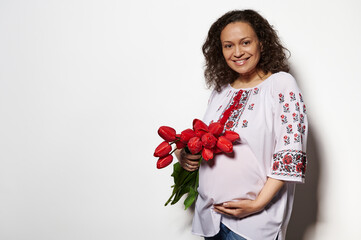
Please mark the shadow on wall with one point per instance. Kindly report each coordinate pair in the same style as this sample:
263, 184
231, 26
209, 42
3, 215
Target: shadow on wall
305, 207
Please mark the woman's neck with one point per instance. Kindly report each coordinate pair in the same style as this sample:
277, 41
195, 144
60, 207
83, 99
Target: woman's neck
250, 80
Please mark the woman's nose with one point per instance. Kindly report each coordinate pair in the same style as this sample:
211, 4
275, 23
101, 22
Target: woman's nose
238, 52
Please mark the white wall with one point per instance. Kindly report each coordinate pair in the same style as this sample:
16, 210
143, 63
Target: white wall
84, 85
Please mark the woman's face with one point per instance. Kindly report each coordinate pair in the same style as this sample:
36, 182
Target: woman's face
241, 48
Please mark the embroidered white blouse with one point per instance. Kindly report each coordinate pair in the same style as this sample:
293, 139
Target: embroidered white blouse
271, 121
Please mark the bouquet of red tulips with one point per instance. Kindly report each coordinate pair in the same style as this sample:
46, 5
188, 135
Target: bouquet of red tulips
202, 139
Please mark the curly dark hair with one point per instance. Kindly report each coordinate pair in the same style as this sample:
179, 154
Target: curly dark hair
273, 55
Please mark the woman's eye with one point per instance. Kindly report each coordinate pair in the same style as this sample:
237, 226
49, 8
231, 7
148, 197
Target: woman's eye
246, 43
227, 46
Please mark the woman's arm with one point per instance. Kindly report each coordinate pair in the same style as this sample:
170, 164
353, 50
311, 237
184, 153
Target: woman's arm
243, 208
189, 162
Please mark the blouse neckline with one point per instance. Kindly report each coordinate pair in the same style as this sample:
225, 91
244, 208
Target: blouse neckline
250, 88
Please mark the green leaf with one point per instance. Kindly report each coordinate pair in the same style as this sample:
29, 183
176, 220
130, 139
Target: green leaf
192, 196
185, 182
185, 186
176, 171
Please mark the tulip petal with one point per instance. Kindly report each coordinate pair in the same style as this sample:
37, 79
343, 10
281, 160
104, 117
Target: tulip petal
164, 161
200, 132
167, 133
186, 135
207, 154
231, 136
224, 144
180, 144
195, 145
163, 149
208, 140
216, 150
216, 128
199, 125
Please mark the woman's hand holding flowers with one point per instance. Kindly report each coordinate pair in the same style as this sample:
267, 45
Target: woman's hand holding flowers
188, 161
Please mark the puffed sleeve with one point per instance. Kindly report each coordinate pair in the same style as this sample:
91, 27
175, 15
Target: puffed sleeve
290, 130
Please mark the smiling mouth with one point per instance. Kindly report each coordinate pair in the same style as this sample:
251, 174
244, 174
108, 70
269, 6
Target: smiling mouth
240, 62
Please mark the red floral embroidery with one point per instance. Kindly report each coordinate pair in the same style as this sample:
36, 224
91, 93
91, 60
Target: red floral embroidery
286, 140
284, 119
231, 115
244, 124
229, 125
289, 128
290, 163
300, 167
292, 96
275, 166
287, 159
281, 97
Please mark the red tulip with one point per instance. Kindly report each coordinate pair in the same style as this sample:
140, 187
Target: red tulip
180, 144
199, 132
231, 136
216, 150
162, 150
199, 125
207, 154
164, 161
216, 128
167, 133
186, 135
224, 144
195, 145
208, 140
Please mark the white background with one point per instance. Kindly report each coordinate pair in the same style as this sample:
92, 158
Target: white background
84, 86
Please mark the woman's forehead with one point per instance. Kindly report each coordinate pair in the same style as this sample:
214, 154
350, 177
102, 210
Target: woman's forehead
237, 30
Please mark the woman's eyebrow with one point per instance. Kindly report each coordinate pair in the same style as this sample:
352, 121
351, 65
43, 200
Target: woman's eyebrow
231, 41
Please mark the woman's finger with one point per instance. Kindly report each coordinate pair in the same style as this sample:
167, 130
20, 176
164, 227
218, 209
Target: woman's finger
226, 211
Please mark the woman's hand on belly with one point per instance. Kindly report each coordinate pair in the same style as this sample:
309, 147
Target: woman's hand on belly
244, 207
238, 208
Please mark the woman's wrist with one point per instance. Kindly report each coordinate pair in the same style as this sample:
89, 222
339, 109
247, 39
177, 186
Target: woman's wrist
259, 205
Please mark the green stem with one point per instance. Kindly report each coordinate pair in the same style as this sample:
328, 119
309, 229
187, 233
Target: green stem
170, 199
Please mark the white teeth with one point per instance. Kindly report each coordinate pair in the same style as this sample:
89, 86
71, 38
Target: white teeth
240, 62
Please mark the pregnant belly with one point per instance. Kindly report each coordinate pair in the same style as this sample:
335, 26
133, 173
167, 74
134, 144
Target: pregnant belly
231, 177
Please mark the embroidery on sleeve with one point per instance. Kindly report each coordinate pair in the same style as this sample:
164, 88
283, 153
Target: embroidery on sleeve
297, 105
301, 98
290, 163
284, 119
292, 96
289, 128
297, 138
286, 108
286, 140
302, 118
281, 97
